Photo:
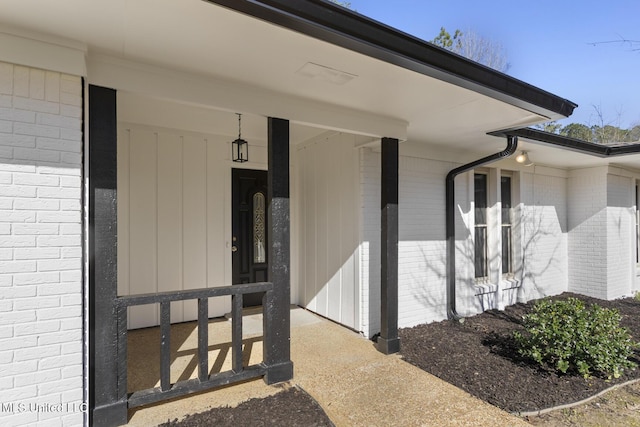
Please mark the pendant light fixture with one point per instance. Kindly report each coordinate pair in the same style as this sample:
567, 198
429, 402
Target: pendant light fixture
240, 147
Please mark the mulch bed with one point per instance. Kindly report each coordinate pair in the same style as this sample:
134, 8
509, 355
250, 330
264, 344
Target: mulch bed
480, 357
292, 407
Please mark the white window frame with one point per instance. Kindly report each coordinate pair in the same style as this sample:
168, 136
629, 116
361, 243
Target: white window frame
493, 227
481, 278
509, 274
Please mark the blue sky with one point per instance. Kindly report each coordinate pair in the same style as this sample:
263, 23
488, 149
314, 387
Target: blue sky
547, 45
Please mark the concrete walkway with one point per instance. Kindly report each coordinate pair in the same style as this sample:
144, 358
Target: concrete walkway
355, 384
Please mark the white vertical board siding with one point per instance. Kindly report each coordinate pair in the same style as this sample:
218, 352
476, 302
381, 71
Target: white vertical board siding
143, 267
194, 213
370, 176
173, 217
169, 211
218, 223
327, 173
307, 280
124, 135
349, 203
322, 231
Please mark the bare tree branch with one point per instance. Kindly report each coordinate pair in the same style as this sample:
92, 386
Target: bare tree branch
473, 46
633, 44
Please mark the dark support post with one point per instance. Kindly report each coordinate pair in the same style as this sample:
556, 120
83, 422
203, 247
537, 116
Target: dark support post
388, 342
277, 351
106, 400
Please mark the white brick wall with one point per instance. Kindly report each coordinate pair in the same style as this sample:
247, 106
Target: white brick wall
601, 236
587, 197
620, 231
422, 257
544, 236
422, 249
40, 245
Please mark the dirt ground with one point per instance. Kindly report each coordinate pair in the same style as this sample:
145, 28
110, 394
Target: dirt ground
480, 357
290, 408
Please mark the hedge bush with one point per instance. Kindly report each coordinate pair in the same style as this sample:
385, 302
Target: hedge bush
571, 338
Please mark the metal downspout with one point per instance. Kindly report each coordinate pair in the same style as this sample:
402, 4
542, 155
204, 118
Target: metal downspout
512, 145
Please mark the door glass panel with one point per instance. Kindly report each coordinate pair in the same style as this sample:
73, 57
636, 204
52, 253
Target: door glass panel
259, 254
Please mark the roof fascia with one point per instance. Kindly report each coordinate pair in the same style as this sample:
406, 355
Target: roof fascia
340, 26
598, 150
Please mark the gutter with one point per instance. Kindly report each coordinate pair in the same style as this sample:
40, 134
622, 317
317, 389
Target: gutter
572, 144
512, 145
342, 27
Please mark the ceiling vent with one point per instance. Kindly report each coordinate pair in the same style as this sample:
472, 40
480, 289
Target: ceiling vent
326, 74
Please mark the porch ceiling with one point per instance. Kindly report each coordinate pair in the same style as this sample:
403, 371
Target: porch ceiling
207, 40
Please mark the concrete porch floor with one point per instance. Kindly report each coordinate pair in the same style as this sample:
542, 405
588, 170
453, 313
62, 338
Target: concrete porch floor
354, 383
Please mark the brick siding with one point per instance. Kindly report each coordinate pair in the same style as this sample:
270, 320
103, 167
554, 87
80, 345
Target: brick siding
41, 352
588, 232
422, 257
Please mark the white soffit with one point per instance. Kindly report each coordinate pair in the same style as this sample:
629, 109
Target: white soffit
203, 39
159, 113
546, 154
325, 74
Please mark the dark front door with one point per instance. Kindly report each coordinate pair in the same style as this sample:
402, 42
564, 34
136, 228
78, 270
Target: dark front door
249, 227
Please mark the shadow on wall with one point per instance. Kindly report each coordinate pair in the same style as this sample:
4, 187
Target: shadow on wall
540, 236
428, 287
541, 247
540, 262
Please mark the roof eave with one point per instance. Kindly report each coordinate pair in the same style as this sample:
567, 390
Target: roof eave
340, 26
567, 143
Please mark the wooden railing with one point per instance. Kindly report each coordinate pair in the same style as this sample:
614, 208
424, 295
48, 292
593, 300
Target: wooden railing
167, 390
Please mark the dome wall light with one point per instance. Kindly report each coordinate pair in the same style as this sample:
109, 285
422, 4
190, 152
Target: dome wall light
523, 158
240, 147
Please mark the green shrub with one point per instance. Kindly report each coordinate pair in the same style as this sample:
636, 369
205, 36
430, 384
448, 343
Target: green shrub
571, 338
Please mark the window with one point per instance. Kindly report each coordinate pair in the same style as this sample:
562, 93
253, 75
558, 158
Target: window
507, 227
259, 253
480, 216
494, 225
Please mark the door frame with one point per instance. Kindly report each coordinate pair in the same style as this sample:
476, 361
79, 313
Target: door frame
250, 300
